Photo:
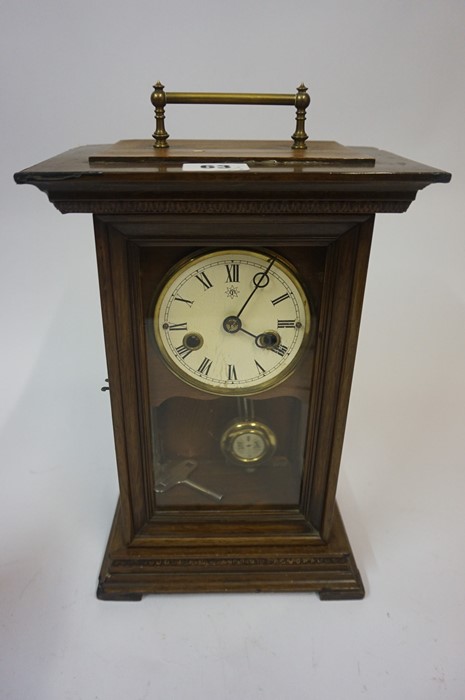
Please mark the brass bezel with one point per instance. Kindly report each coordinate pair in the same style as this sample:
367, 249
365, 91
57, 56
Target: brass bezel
286, 267
240, 427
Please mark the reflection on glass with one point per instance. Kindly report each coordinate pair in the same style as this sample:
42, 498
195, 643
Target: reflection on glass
240, 453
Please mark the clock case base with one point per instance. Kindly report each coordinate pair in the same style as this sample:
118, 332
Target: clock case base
129, 572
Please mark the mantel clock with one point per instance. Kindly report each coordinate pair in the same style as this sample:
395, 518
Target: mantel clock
232, 276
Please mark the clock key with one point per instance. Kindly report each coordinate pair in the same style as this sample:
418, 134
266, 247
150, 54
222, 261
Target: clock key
179, 473
202, 489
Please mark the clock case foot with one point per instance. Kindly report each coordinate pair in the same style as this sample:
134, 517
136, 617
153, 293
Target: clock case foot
129, 572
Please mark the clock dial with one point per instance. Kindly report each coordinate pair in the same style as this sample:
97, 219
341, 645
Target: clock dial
232, 321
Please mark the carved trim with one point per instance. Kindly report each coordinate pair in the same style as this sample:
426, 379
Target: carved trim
230, 207
231, 563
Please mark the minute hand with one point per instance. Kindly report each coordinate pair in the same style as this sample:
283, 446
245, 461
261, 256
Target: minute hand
257, 285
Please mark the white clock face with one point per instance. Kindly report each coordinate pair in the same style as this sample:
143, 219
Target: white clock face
232, 321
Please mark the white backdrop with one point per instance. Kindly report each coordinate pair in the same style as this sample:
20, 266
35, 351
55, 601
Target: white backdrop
381, 73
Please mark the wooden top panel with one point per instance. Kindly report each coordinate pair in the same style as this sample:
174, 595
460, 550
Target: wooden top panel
131, 177
269, 161
251, 152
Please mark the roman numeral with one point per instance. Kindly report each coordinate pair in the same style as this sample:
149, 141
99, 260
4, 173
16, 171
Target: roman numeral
280, 350
177, 326
205, 365
232, 272
286, 324
232, 372
202, 277
183, 351
186, 301
278, 300
261, 370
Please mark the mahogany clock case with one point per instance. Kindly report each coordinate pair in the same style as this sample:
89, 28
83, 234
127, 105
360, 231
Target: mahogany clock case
275, 527
285, 504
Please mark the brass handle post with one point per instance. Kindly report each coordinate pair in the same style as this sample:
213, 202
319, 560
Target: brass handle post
300, 100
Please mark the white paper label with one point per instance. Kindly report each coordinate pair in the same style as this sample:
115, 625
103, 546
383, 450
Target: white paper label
209, 167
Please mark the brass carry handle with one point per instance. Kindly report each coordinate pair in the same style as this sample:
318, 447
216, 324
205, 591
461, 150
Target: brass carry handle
160, 98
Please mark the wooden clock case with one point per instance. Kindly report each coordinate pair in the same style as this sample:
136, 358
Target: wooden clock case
316, 208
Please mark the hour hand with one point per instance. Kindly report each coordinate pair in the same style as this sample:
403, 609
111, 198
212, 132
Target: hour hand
233, 324
268, 340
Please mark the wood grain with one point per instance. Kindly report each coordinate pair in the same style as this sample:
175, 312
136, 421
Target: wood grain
278, 528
